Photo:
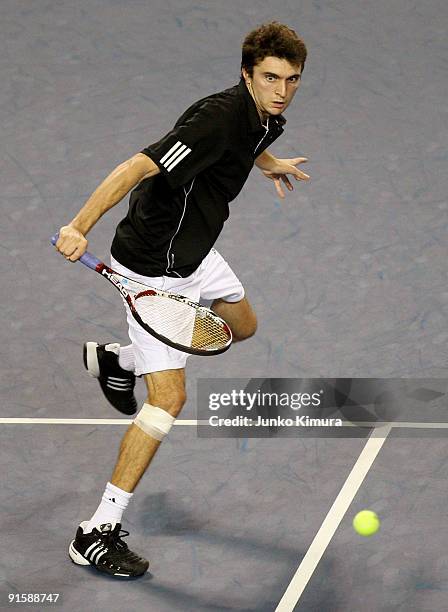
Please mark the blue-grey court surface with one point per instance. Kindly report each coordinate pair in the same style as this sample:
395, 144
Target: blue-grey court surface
348, 276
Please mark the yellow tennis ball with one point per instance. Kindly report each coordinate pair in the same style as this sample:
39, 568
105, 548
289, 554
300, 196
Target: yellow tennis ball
366, 523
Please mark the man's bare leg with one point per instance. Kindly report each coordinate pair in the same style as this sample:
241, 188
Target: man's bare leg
239, 316
166, 390
98, 541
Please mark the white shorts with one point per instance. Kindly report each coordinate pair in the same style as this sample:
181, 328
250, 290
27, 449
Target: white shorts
214, 279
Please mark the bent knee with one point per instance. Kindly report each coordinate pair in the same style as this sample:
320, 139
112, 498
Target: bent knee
172, 402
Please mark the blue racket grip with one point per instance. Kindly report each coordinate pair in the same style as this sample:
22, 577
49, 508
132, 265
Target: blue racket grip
87, 259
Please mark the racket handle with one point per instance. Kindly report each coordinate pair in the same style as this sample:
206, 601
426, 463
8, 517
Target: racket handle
90, 260
87, 259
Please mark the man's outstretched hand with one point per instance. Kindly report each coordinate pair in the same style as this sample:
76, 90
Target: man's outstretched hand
281, 168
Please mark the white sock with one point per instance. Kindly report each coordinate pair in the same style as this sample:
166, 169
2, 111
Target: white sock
111, 508
126, 358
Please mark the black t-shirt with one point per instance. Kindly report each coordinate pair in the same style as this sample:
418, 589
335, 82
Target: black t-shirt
175, 217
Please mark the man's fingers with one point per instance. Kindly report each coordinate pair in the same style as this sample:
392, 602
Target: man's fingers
79, 251
66, 248
298, 174
279, 188
301, 176
287, 182
71, 256
70, 250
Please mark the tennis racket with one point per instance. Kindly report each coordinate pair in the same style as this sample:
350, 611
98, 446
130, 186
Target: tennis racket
173, 319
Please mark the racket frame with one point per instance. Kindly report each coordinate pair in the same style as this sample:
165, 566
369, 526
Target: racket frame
100, 267
111, 276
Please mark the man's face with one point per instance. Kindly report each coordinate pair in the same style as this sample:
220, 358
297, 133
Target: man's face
273, 85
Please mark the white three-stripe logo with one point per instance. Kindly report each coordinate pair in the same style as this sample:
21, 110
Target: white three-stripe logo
97, 550
175, 155
92, 547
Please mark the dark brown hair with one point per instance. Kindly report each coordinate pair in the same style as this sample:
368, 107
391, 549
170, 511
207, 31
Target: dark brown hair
272, 39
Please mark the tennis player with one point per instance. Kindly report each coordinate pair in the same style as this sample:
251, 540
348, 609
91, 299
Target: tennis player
181, 188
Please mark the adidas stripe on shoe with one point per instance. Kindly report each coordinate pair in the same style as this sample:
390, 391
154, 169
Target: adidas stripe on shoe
117, 384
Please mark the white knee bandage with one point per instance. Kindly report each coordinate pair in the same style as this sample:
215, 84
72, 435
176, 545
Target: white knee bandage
154, 421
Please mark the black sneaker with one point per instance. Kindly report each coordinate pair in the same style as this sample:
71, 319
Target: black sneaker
104, 549
101, 361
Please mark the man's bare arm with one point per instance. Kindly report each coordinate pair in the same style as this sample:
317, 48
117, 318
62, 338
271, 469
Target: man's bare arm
72, 242
113, 189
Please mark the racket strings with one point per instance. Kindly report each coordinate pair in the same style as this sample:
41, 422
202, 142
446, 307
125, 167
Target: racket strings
182, 323
208, 333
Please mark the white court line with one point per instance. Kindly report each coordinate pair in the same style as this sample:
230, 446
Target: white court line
47, 421
333, 519
403, 425
37, 421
